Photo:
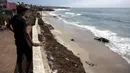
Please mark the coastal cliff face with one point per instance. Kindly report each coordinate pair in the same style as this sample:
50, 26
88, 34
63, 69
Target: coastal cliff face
60, 59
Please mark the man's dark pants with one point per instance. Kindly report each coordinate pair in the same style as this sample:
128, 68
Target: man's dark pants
23, 50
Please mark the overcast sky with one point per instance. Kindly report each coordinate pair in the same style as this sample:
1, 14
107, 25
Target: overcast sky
80, 3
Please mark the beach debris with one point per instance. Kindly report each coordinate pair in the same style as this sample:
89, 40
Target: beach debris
55, 16
50, 26
60, 16
101, 39
72, 40
67, 59
75, 65
48, 36
58, 52
56, 47
40, 38
51, 58
55, 71
47, 52
50, 62
60, 59
89, 63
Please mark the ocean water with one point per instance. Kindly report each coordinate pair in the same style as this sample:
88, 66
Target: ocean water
110, 23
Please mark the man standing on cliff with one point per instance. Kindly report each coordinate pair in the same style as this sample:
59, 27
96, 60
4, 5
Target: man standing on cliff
22, 38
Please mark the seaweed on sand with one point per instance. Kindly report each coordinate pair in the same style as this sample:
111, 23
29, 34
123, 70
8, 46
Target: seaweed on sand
60, 59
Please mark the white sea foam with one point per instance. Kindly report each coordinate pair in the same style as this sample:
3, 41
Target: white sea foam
69, 22
62, 9
78, 14
117, 44
72, 14
52, 14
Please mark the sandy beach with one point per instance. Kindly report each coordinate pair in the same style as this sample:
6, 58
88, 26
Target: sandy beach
86, 48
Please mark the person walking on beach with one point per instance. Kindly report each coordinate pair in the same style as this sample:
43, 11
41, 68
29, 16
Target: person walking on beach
23, 40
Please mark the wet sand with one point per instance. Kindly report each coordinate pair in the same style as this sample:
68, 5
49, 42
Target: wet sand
89, 50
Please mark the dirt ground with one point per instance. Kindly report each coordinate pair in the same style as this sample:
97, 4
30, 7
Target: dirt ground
7, 52
60, 59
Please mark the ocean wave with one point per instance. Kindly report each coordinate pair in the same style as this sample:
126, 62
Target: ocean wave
73, 14
103, 17
62, 9
70, 13
117, 44
78, 14
67, 21
52, 14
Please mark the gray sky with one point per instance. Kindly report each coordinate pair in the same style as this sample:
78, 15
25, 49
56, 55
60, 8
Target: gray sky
101, 3
80, 3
